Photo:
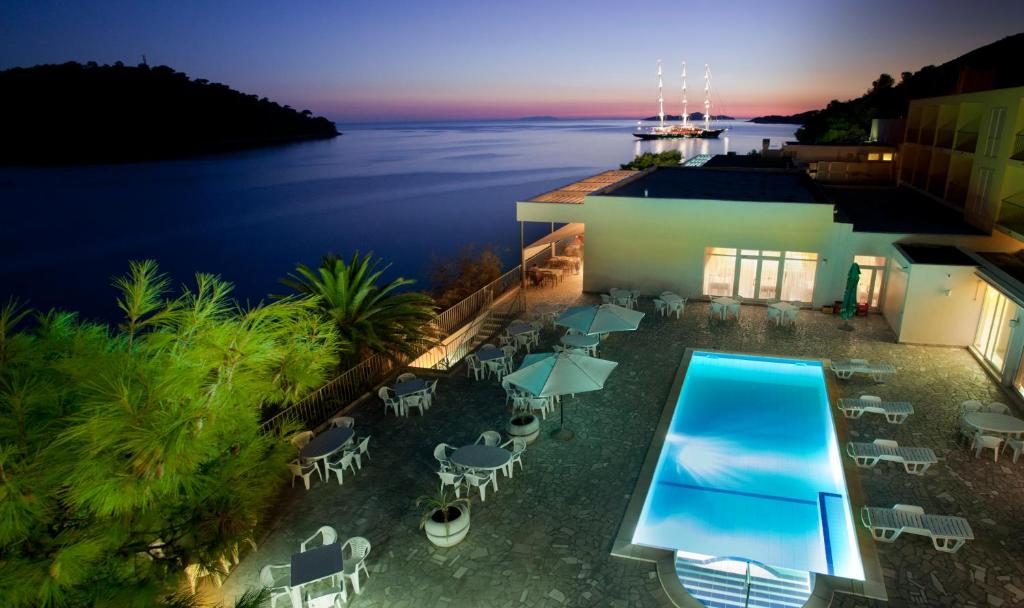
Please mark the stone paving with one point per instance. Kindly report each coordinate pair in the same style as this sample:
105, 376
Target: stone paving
544, 538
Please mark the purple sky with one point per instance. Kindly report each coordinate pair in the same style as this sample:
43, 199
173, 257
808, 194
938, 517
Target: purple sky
382, 60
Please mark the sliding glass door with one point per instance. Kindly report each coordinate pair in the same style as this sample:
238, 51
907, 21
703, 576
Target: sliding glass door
756, 274
872, 275
998, 317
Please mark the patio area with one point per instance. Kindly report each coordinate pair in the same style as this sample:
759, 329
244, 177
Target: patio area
544, 538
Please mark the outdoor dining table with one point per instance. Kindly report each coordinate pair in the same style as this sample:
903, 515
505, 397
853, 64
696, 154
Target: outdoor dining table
724, 301
482, 457
326, 443
783, 306
404, 389
670, 297
314, 565
519, 328
1000, 424
489, 354
588, 342
547, 312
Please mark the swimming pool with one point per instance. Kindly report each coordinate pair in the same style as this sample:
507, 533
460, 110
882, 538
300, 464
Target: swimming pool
750, 469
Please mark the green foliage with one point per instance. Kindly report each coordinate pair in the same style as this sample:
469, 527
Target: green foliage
669, 158
453, 280
127, 455
369, 318
444, 501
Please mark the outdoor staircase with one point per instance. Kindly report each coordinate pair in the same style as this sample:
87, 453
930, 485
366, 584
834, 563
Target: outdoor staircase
719, 582
492, 326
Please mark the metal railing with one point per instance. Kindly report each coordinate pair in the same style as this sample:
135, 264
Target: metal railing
356, 381
966, 141
1018, 147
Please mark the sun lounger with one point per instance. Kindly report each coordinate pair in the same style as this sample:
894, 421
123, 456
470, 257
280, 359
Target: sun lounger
948, 533
846, 369
895, 412
914, 460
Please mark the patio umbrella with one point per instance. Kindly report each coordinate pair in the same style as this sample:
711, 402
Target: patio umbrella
600, 319
849, 307
554, 374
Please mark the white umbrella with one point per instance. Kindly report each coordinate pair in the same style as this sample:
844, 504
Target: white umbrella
600, 319
553, 374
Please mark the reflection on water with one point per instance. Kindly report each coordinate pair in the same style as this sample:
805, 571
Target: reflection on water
405, 191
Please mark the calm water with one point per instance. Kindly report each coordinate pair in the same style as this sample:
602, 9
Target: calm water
405, 191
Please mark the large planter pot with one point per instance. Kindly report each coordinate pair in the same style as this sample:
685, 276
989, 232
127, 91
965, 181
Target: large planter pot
458, 527
526, 426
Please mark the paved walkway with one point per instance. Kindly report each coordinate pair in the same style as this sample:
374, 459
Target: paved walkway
544, 538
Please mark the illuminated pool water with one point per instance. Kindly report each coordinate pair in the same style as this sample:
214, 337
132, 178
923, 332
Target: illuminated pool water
750, 469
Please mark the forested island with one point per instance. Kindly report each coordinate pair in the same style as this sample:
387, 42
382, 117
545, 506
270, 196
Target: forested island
88, 113
792, 119
993, 66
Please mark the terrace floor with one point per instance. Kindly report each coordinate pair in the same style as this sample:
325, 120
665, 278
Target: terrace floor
544, 538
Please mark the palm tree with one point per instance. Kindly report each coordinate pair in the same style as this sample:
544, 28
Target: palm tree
370, 318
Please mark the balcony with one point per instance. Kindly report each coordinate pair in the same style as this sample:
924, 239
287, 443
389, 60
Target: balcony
1011, 213
1018, 147
944, 138
927, 136
937, 184
913, 134
966, 141
956, 193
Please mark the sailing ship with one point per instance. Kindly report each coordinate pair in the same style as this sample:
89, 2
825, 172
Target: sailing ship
687, 129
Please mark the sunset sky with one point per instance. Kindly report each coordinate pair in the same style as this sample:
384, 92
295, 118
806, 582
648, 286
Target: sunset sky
383, 60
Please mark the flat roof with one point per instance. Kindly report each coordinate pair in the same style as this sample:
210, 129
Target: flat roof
770, 186
939, 255
895, 209
749, 161
574, 193
1004, 270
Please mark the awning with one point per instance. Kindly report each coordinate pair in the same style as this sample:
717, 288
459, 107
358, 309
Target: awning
567, 231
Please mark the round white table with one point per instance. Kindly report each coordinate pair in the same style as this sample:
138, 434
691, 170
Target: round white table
483, 457
588, 342
1000, 424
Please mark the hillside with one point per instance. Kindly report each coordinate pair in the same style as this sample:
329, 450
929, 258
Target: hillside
692, 116
792, 119
74, 113
993, 66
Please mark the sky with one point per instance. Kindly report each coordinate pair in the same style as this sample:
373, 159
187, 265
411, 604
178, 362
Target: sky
379, 60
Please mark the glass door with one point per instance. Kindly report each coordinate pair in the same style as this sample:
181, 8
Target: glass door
872, 276
998, 316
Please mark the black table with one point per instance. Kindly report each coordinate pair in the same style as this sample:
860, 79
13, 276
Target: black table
314, 565
490, 354
327, 443
403, 389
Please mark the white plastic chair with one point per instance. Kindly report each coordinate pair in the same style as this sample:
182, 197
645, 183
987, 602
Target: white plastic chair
441, 453
345, 460
304, 470
789, 317
716, 310
416, 401
326, 534
660, 306
276, 578
302, 439
774, 314
334, 599
984, 442
525, 340
346, 422
491, 438
451, 479
480, 479
997, 408
518, 445
677, 306
606, 299
970, 406
358, 548
363, 449
406, 377
1017, 445
390, 402
497, 367
473, 367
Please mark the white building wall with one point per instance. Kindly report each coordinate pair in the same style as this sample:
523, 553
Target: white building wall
895, 296
942, 305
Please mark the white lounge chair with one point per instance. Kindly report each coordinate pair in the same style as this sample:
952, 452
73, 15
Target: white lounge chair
846, 369
914, 460
895, 412
948, 533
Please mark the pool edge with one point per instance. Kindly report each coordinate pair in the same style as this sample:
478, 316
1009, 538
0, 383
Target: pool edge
873, 585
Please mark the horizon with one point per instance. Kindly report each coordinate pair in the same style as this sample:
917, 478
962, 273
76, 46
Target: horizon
403, 62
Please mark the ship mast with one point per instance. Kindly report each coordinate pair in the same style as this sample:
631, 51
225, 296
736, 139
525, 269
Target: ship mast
661, 100
685, 117
707, 97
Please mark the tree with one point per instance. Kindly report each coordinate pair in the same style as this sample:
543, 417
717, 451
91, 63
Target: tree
453, 280
128, 455
885, 81
369, 318
669, 158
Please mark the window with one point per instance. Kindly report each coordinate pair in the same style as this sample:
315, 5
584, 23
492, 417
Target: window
994, 327
978, 200
872, 275
887, 156
759, 274
995, 126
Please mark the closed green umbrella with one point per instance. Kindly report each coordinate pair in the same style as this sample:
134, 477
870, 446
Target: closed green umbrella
849, 307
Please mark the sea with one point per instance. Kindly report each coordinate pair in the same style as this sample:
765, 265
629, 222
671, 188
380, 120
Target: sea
410, 193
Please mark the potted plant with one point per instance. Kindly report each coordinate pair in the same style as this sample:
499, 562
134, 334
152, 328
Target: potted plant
524, 425
446, 520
